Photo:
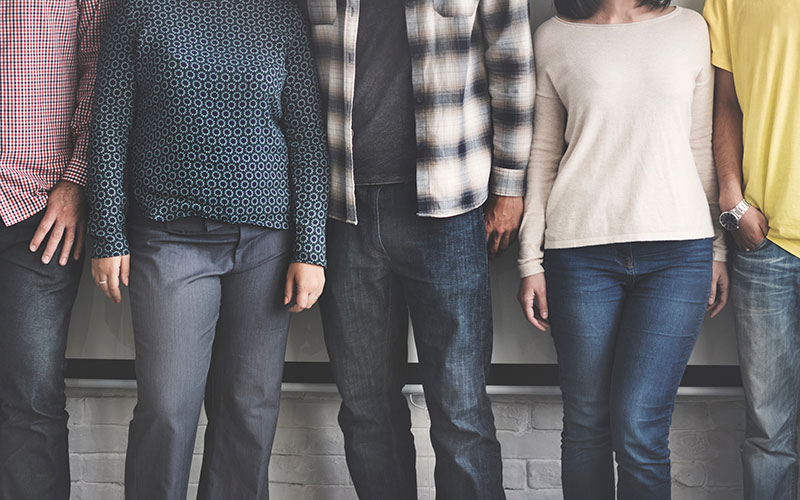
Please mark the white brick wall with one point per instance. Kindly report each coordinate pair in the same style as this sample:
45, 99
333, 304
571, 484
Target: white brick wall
308, 461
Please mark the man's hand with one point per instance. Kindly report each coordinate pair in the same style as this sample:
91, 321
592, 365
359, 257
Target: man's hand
753, 226
109, 272
502, 216
720, 284
66, 217
532, 297
304, 283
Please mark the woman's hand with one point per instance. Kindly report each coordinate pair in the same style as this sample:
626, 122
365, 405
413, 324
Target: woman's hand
533, 299
109, 272
720, 284
304, 283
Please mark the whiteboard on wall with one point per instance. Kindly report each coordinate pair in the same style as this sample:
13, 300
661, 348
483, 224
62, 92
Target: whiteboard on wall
102, 330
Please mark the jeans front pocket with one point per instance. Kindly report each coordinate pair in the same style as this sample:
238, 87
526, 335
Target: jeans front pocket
455, 8
321, 11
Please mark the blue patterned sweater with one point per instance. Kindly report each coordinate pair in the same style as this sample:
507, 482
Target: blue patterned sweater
208, 108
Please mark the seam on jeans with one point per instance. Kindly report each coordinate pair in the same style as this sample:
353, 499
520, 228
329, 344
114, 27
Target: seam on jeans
378, 220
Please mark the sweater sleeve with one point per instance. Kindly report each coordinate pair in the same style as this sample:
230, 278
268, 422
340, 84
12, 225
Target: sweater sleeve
701, 134
112, 116
549, 123
304, 130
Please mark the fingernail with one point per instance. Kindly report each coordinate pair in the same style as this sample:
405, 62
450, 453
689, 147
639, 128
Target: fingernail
544, 314
33, 248
46, 259
63, 262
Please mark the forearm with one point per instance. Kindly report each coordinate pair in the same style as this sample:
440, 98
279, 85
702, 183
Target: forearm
728, 144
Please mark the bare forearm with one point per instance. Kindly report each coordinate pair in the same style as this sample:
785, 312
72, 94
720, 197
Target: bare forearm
728, 145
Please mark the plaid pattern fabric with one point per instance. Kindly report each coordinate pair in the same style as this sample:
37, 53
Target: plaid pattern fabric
473, 78
49, 50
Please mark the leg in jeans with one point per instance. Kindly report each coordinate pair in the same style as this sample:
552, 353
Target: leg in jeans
244, 386
585, 294
175, 295
366, 330
662, 317
35, 305
766, 301
444, 270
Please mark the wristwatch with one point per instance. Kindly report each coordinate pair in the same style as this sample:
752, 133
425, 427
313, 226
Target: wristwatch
730, 219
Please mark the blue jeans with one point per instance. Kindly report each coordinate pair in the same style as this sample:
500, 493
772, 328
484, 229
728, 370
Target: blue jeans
209, 324
392, 263
766, 301
624, 318
35, 305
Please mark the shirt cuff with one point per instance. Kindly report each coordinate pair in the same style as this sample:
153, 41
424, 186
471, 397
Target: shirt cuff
109, 247
530, 268
76, 172
507, 182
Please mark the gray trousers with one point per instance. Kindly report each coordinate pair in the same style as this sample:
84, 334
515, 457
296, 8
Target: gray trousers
208, 321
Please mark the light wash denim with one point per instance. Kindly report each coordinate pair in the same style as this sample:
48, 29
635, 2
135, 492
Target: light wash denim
766, 300
391, 263
35, 305
208, 320
624, 318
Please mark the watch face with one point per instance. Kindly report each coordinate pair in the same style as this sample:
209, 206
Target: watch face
729, 221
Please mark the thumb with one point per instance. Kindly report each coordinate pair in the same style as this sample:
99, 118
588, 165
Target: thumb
289, 288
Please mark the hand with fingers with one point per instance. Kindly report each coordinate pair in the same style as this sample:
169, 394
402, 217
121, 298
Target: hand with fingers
304, 284
753, 228
502, 217
65, 220
532, 297
720, 285
109, 272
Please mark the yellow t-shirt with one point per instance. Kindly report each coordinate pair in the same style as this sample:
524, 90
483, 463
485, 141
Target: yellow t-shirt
759, 42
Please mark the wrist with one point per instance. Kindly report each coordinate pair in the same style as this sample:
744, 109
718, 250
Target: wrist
729, 198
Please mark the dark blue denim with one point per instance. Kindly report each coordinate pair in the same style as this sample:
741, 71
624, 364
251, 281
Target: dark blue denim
392, 263
624, 318
35, 305
766, 300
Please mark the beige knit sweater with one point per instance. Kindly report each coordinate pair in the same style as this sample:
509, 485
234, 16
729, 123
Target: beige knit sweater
622, 136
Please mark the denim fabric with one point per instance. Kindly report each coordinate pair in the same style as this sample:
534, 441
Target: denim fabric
35, 305
208, 319
391, 263
766, 301
624, 318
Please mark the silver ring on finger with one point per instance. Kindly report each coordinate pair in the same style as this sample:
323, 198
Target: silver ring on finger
104, 282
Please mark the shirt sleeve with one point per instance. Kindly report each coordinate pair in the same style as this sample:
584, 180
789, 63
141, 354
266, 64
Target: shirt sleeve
702, 150
549, 125
112, 116
716, 15
304, 131
92, 15
510, 73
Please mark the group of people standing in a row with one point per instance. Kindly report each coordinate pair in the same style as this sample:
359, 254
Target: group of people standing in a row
215, 138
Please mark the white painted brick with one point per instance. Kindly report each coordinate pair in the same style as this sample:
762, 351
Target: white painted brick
325, 441
728, 415
309, 470
104, 467
533, 444
199, 439
514, 474
548, 416
511, 415
280, 491
98, 439
113, 411
75, 467
309, 413
691, 474
680, 492
97, 491
690, 416
326, 493
534, 495
425, 471
724, 473
191, 493
194, 470
690, 445
725, 444
544, 474
290, 441
75, 410
422, 442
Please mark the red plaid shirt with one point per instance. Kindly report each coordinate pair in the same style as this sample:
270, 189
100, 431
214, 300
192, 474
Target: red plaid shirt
48, 53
